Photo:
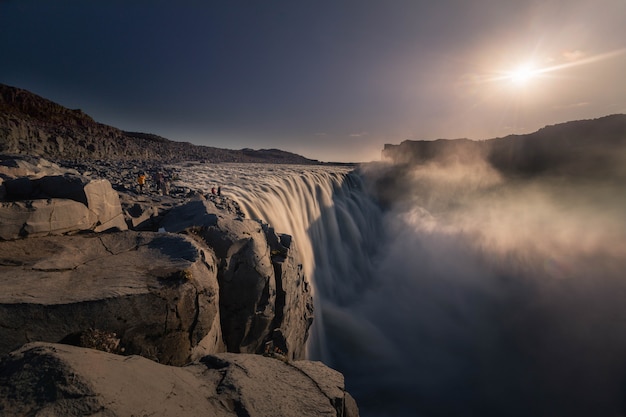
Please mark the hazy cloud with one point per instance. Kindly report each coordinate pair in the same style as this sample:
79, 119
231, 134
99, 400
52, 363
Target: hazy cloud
573, 55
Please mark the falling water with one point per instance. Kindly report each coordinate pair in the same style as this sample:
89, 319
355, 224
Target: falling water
333, 222
467, 295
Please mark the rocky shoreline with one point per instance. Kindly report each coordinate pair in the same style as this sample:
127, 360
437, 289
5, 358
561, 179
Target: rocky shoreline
96, 275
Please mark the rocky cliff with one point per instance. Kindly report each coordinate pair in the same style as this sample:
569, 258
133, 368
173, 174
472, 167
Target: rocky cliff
60, 380
178, 279
590, 148
32, 125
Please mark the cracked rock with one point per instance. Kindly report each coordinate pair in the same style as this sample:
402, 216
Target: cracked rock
157, 292
52, 379
264, 295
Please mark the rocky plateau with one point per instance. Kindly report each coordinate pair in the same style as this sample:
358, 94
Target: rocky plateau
116, 302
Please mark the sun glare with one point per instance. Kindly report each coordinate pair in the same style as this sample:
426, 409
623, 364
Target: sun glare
522, 75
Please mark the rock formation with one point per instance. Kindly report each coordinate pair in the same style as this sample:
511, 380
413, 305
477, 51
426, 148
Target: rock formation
190, 280
38, 198
584, 148
193, 278
157, 292
32, 125
60, 380
264, 295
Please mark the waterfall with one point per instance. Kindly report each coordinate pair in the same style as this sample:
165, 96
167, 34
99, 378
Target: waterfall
334, 224
469, 294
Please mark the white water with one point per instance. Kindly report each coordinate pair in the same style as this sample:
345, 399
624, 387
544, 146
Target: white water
467, 296
323, 208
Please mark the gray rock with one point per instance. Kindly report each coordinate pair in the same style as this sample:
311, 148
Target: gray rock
51, 379
196, 213
157, 292
246, 275
96, 194
43, 218
144, 212
49, 195
294, 303
103, 200
15, 166
264, 296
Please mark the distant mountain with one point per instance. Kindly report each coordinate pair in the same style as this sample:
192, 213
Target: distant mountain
592, 148
33, 125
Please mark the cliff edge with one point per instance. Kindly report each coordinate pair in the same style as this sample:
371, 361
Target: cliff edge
182, 280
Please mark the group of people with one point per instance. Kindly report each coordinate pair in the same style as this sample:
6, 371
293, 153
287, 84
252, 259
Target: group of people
161, 183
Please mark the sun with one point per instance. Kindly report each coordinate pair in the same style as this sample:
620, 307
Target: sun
522, 75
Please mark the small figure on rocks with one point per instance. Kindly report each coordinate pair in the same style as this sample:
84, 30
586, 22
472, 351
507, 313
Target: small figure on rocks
219, 190
213, 191
141, 180
158, 180
165, 186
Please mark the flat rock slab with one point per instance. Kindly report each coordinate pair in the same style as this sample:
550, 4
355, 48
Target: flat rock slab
52, 379
157, 292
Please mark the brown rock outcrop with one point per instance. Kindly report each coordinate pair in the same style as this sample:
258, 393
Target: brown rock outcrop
157, 292
39, 198
264, 296
49, 379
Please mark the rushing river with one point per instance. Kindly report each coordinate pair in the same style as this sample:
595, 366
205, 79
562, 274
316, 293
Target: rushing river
467, 295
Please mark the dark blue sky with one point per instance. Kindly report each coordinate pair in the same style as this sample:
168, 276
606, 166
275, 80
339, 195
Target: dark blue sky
329, 79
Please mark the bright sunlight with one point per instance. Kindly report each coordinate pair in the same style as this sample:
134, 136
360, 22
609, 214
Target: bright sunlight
523, 75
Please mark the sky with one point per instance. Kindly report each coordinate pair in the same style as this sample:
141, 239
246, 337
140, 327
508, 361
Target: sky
332, 80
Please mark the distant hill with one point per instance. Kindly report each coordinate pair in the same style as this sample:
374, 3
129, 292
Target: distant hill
591, 148
33, 125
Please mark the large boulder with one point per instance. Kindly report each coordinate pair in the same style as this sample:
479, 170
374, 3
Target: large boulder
95, 194
156, 292
51, 379
32, 179
44, 217
264, 296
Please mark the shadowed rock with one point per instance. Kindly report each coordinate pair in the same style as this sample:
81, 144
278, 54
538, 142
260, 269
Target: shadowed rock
49, 379
33, 125
38, 204
157, 292
44, 217
264, 296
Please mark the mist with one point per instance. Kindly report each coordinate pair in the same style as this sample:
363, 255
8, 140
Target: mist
493, 296
447, 288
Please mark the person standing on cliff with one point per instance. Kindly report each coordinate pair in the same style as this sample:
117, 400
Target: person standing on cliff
165, 185
141, 180
156, 180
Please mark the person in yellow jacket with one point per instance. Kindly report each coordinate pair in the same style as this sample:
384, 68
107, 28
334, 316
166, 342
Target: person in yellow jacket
141, 180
